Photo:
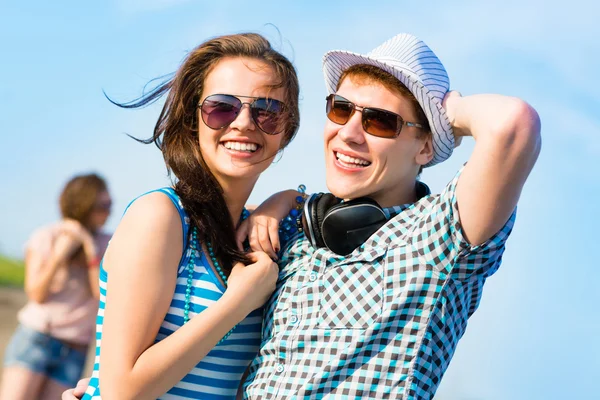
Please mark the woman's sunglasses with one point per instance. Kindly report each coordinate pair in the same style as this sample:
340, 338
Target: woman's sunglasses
220, 110
103, 206
375, 121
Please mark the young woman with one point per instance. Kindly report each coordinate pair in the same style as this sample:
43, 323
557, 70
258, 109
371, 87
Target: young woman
47, 352
180, 304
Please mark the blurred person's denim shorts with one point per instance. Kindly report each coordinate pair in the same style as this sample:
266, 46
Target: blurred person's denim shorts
46, 355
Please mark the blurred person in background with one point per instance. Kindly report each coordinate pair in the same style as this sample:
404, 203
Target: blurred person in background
47, 352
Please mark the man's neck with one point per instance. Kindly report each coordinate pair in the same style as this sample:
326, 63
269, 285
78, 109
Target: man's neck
404, 193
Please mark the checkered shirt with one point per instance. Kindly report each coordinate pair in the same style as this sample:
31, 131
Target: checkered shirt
381, 323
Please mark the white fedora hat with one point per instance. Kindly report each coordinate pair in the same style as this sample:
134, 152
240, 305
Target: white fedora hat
414, 64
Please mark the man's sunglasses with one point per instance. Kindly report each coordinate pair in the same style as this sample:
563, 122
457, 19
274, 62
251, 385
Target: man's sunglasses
220, 110
375, 121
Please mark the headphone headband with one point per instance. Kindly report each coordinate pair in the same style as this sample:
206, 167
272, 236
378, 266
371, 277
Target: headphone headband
343, 226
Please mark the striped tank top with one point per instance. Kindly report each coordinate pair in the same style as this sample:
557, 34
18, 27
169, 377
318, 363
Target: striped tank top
218, 374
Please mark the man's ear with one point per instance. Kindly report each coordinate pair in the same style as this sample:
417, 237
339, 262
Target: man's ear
425, 154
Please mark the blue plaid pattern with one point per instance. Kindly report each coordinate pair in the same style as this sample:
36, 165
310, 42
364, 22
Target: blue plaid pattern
381, 323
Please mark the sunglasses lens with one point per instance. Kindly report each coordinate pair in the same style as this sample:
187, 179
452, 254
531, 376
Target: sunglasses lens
339, 109
220, 110
380, 123
268, 115
375, 122
103, 206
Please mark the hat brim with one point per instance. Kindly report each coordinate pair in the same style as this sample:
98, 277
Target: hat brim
337, 61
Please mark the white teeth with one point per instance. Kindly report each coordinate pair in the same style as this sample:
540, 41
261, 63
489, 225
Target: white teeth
241, 146
351, 160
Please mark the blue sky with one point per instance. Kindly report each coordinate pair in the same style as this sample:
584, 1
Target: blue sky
535, 334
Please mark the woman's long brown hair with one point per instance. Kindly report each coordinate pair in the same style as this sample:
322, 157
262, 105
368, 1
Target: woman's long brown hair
176, 132
78, 198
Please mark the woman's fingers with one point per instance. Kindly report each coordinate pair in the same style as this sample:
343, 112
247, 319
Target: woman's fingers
255, 244
242, 233
274, 235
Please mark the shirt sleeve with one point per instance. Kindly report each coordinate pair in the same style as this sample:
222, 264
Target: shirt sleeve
441, 242
41, 242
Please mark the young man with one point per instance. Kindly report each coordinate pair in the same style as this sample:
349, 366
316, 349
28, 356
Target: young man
384, 320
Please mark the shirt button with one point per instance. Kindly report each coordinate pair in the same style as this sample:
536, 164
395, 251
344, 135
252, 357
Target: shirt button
279, 368
312, 277
293, 319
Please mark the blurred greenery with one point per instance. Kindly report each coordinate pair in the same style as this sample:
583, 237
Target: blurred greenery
12, 272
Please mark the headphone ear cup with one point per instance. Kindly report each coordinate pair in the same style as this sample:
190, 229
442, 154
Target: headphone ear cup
310, 218
320, 209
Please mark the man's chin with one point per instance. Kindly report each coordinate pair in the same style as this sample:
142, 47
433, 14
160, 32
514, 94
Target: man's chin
347, 187
344, 193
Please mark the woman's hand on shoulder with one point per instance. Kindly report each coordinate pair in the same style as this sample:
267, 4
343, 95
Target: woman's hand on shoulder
262, 226
74, 229
64, 246
80, 236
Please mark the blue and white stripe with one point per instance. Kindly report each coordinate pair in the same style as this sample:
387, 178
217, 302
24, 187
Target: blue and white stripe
218, 374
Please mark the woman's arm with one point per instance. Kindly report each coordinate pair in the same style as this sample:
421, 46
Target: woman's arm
40, 270
93, 280
141, 262
100, 243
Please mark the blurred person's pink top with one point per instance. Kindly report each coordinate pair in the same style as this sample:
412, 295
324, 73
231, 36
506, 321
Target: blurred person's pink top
70, 309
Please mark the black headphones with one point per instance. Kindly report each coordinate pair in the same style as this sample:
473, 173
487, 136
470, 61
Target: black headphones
342, 226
